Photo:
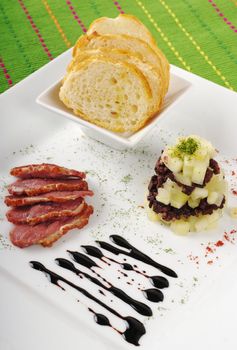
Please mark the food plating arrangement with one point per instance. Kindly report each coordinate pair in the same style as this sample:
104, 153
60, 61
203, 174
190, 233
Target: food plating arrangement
124, 243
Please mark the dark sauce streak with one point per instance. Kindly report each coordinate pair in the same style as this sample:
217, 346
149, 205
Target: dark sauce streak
132, 331
101, 319
134, 253
125, 266
135, 329
122, 273
154, 295
93, 251
140, 307
157, 281
84, 260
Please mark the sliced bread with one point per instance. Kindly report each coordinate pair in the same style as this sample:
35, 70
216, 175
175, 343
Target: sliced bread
129, 25
122, 24
109, 93
123, 42
118, 41
152, 74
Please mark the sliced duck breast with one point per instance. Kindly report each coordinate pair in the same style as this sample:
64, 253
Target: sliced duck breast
47, 233
46, 171
33, 187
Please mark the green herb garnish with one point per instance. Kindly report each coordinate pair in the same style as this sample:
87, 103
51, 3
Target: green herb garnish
126, 179
186, 147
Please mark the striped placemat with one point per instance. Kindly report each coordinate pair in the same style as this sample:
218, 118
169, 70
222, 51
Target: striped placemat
197, 35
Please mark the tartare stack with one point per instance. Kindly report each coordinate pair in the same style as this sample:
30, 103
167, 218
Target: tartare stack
188, 190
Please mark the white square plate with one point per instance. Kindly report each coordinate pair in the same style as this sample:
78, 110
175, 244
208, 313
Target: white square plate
178, 88
198, 305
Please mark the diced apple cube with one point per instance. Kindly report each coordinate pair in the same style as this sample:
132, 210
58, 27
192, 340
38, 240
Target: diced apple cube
199, 172
211, 150
185, 180
188, 160
178, 198
169, 185
163, 196
193, 203
202, 153
180, 227
212, 185
219, 200
199, 193
205, 147
175, 164
188, 171
212, 197
215, 198
188, 167
217, 184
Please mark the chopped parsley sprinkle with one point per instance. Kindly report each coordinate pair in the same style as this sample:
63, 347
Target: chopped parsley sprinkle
186, 147
126, 179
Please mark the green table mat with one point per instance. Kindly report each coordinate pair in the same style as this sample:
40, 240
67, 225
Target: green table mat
197, 35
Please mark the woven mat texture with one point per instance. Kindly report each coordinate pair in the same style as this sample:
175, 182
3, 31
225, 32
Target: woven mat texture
197, 35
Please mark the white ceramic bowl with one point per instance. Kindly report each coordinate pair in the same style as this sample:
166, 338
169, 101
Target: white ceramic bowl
50, 100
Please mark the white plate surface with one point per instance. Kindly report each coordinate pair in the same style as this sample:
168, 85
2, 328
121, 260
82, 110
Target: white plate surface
195, 304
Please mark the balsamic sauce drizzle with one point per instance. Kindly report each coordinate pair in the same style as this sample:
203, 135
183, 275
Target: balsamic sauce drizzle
134, 253
157, 281
131, 334
134, 328
140, 307
84, 260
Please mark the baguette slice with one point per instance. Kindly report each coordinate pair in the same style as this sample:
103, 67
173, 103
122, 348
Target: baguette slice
129, 25
111, 94
152, 74
122, 24
123, 42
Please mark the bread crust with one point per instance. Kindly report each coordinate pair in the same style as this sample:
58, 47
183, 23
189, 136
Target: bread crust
146, 33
